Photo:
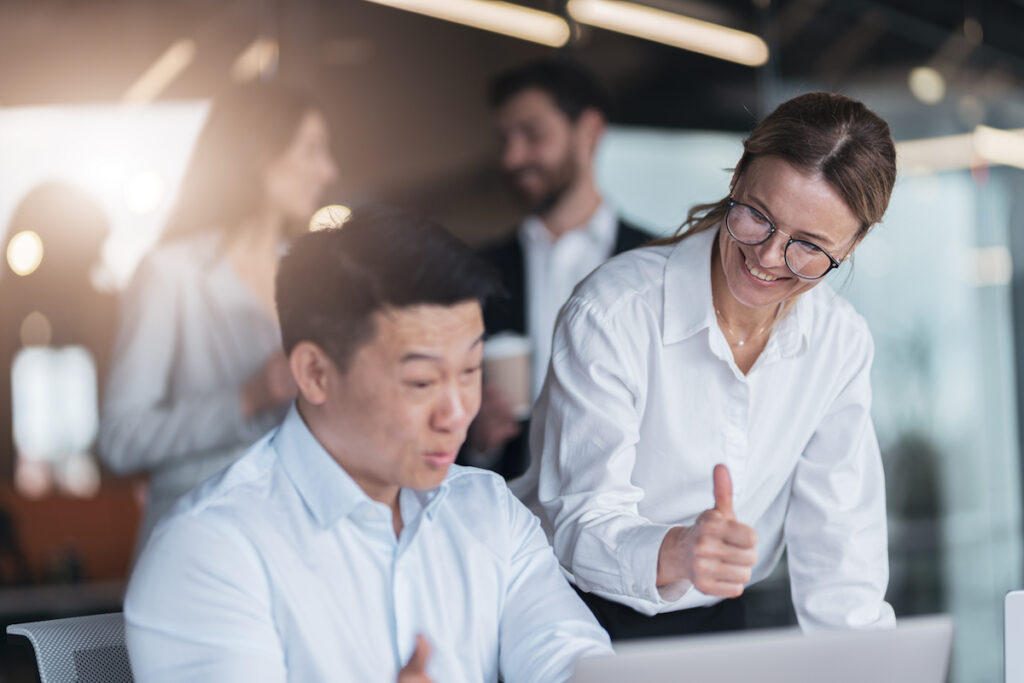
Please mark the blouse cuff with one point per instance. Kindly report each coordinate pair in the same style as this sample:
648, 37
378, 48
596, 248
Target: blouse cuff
638, 565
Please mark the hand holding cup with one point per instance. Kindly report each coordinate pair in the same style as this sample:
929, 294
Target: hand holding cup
495, 424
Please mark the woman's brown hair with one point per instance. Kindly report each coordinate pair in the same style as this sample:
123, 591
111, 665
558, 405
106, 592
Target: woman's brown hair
820, 133
248, 127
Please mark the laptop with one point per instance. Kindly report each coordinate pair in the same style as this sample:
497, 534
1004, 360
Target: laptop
917, 651
1013, 636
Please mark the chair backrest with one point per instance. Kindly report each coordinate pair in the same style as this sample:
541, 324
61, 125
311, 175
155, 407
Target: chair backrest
79, 649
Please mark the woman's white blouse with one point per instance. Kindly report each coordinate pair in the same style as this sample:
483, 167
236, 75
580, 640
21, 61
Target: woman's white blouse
643, 399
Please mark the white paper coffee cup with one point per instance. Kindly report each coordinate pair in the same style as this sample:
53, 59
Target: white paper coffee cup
507, 367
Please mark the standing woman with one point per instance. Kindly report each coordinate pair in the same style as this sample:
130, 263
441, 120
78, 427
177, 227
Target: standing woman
197, 373
708, 399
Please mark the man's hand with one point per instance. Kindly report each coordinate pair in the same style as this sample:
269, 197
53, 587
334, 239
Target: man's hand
495, 424
416, 670
717, 553
271, 386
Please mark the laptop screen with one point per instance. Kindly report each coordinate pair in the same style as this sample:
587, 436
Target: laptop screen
917, 651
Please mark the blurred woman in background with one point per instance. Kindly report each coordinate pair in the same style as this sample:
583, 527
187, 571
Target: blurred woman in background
197, 373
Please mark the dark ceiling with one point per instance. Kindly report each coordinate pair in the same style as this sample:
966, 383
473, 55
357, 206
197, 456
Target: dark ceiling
406, 91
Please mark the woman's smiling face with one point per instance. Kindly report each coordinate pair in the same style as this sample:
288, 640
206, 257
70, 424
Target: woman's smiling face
801, 206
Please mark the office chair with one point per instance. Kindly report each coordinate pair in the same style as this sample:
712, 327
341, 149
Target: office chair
79, 649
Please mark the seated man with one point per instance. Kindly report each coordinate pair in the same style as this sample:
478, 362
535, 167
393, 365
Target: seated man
345, 545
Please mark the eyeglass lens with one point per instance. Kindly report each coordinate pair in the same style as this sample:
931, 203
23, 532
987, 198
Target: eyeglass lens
750, 227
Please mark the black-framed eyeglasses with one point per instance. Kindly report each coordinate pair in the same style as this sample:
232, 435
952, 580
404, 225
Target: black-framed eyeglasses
804, 259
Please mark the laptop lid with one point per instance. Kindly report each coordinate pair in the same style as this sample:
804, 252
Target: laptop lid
917, 651
1013, 636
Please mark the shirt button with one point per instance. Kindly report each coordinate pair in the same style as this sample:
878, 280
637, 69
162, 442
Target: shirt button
636, 588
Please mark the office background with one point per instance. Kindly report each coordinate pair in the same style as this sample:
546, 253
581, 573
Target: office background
107, 96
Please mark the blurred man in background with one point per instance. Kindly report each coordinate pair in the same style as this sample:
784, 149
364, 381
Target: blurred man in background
551, 116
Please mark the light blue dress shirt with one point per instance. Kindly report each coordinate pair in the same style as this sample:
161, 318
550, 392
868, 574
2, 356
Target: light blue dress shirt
281, 568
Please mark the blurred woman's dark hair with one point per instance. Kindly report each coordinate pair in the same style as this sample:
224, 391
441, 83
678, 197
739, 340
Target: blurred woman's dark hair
248, 127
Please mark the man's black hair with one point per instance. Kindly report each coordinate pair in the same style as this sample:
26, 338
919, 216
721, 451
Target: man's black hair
573, 88
332, 282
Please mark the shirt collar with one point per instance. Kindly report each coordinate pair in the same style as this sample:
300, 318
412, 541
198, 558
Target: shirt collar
687, 285
600, 229
428, 502
328, 491
688, 282
792, 332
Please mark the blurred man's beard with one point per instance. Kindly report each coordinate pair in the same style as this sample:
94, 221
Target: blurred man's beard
548, 201
557, 182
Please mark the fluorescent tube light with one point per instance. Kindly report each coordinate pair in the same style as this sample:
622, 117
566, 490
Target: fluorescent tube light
673, 29
165, 69
999, 146
930, 155
492, 15
259, 59
993, 146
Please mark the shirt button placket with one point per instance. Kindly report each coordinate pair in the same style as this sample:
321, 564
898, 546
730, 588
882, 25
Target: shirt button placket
737, 450
401, 603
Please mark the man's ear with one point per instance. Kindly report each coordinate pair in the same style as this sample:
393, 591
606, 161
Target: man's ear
591, 125
310, 365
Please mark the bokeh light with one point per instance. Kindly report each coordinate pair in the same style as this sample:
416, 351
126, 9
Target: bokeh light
330, 216
927, 84
25, 252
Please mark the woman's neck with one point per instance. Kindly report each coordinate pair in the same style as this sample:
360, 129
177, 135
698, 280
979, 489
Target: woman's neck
253, 254
258, 235
743, 320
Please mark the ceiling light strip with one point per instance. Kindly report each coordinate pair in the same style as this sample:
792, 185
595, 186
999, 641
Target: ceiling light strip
165, 69
672, 29
998, 146
992, 146
505, 18
256, 61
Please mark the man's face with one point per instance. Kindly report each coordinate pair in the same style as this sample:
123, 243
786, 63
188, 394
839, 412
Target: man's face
540, 148
398, 415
